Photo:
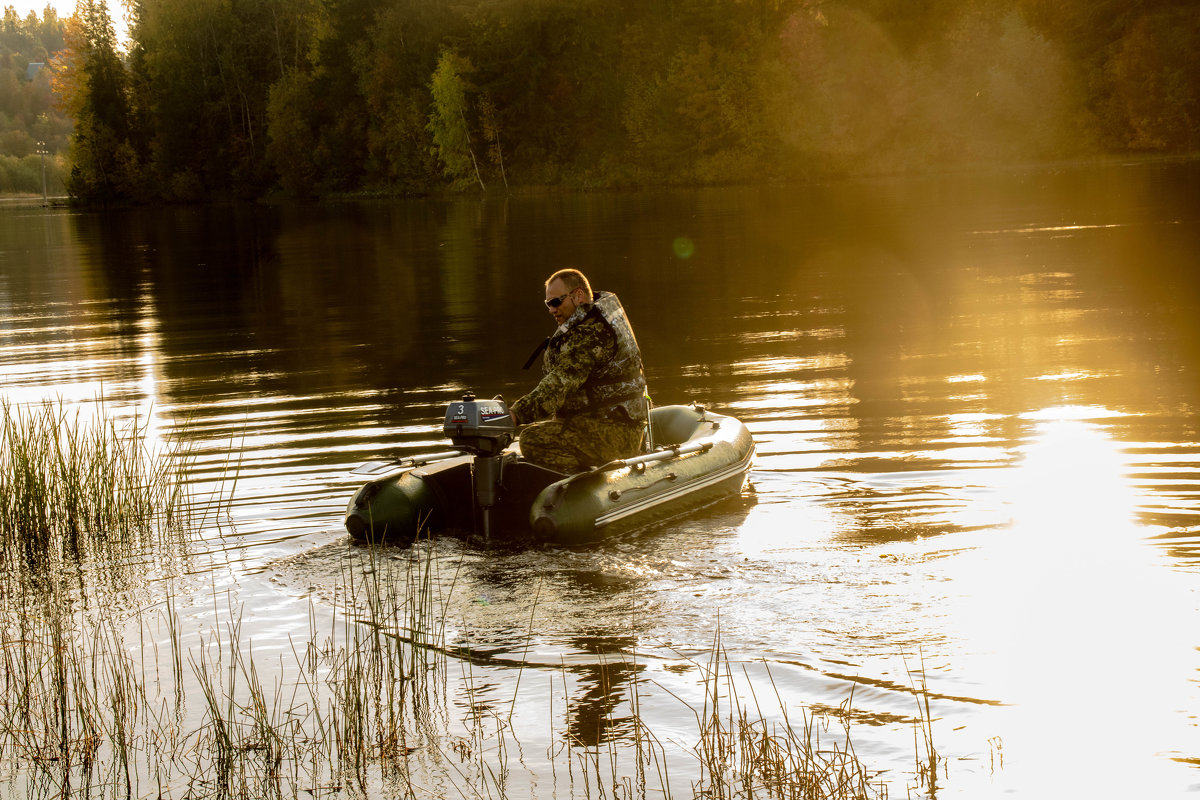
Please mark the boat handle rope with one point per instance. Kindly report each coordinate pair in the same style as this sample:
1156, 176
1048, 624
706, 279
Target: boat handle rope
616, 494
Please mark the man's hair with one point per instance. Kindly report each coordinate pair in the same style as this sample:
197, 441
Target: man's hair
572, 279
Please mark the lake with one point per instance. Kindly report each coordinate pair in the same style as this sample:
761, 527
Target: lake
977, 481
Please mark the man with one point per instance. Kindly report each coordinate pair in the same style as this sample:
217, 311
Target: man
593, 389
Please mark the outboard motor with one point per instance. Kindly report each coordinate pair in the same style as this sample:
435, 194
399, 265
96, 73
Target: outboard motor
483, 428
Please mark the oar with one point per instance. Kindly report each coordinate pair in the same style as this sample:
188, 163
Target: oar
657, 455
379, 467
633, 462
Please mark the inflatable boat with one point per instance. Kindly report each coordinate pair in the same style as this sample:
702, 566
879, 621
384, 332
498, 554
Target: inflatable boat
484, 487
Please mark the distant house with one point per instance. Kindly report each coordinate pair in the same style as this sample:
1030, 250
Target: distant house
32, 70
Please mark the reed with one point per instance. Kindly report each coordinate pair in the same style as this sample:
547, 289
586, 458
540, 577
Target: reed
75, 697
633, 766
924, 751
404, 615
90, 506
745, 753
365, 709
73, 487
253, 739
355, 716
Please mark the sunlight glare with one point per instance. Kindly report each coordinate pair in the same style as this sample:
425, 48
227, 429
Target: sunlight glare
1084, 618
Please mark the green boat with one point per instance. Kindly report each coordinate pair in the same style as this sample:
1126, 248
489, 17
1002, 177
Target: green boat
483, 487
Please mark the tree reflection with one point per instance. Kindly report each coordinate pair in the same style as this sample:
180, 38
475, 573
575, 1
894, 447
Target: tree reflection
602, 687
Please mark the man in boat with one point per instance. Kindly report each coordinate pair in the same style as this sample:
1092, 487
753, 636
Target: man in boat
592, 401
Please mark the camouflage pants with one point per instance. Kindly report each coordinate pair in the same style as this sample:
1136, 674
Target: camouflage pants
576, 443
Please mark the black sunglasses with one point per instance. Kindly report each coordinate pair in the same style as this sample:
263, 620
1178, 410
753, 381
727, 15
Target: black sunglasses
558, 301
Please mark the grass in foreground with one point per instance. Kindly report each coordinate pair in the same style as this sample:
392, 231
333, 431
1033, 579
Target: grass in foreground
118, 699
73, 487
103, 706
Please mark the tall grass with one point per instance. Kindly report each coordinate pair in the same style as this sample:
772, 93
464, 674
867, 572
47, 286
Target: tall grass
74, 486
88, 708
90, 505
744, 752
925, 752
364, 709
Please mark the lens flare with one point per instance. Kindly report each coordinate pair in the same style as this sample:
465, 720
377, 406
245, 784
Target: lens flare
683, 247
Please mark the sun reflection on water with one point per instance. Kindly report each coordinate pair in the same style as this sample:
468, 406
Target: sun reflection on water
1085, 623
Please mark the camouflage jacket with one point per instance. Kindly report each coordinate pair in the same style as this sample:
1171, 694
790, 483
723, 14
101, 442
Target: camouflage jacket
592, 366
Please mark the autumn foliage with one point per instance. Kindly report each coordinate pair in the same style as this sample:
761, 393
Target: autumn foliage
239, 98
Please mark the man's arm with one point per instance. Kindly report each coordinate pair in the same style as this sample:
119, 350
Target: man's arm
575, 362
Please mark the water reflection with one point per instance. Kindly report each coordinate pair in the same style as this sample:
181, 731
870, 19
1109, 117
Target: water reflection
973, 398
602, 689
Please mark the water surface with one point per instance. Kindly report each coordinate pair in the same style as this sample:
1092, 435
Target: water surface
974, 400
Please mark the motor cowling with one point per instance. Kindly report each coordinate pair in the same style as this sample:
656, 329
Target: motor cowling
482, 427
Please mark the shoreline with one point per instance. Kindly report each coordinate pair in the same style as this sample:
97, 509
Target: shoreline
25, 200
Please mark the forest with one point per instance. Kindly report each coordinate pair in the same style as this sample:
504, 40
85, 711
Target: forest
219, 99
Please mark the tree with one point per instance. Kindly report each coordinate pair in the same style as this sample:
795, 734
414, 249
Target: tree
92, 85
202, 73
491, 133
316, 109
293, 137
448, 119
1155, 75
393, 69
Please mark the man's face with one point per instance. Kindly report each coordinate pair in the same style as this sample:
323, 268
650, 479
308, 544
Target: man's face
554, 291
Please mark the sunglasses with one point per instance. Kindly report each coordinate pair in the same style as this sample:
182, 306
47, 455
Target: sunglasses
557, 301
